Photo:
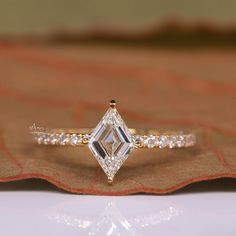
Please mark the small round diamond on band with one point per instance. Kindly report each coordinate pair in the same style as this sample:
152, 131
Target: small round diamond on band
111, 141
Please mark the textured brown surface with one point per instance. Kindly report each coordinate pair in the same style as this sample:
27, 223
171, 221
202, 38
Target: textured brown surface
71, 86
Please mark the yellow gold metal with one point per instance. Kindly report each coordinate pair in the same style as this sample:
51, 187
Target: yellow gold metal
110, 180
85, 140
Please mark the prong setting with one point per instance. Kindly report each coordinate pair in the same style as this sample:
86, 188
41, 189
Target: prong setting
113, 104
110, 180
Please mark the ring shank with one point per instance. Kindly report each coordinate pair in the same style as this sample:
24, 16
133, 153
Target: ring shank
89, 131
140, 137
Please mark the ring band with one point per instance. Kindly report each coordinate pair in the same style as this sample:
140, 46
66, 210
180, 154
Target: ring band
111, 141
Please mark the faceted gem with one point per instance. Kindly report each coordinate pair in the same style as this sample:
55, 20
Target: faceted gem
163, 141
74, 139
180, 141
53, 138
45, 138
150, 141
63, 139
111, 142
172, 141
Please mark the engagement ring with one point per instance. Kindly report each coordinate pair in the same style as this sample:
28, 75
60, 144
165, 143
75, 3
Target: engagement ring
111, 141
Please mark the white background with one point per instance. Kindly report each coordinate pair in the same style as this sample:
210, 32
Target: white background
37, 208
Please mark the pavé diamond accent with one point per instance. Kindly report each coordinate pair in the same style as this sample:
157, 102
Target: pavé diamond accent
54, 138
150, 141
180, 142
172, 141
162, 141
63, 139
74, 139
45, 138
111, 142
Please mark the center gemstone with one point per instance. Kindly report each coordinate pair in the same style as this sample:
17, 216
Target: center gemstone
111, 142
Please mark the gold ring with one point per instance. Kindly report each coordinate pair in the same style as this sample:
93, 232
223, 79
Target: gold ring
111, 141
